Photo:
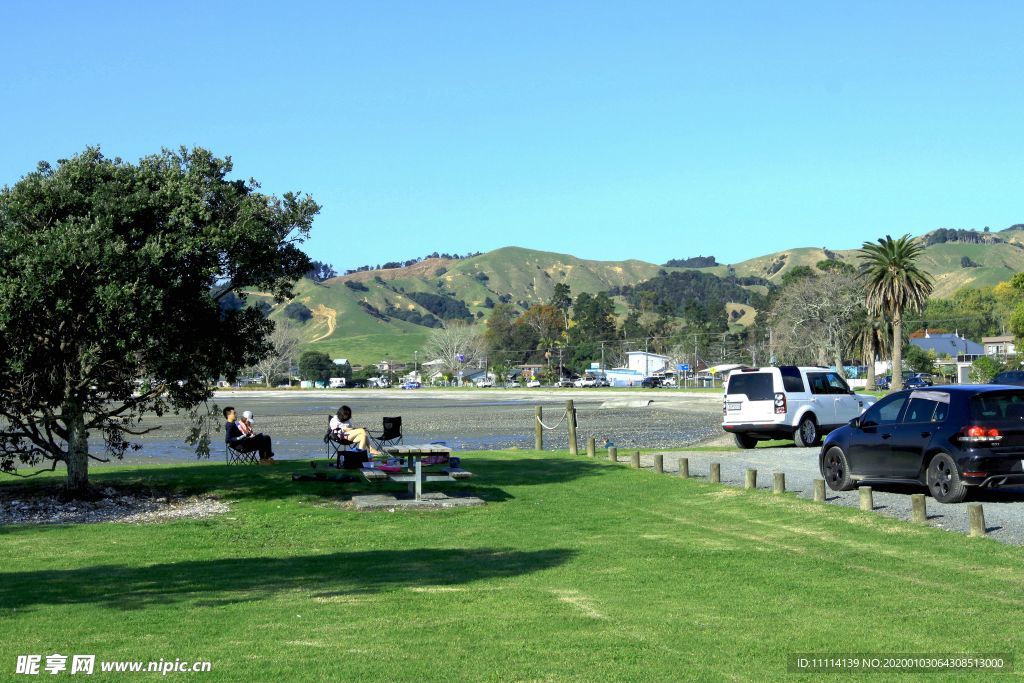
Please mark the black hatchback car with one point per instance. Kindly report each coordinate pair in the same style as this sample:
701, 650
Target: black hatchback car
949, 438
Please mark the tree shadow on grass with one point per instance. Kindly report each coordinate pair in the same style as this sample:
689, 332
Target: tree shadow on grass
273, 483
208, 583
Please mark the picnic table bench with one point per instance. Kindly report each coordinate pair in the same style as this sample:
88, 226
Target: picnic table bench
413, 474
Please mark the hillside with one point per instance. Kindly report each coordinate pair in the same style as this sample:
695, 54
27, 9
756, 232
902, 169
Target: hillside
387, 314
996, 262
358, 316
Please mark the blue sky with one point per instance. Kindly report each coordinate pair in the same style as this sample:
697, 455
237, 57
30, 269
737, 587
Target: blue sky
607, 130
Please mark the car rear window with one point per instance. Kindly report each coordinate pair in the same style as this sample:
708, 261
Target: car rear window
757, 386
998, 406
1013, 377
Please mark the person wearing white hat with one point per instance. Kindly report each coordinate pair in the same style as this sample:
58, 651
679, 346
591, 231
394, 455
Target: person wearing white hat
240, 434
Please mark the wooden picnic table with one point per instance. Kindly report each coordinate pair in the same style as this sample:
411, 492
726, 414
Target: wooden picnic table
413, 473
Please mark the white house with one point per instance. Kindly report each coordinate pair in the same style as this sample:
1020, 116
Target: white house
646, 363
1002, 345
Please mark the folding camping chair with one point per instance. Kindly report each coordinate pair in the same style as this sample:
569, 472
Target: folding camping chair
233, 456
338, 446
391, 435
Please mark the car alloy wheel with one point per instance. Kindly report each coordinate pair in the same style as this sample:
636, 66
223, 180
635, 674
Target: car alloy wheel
807, 432
837, 473
944, 480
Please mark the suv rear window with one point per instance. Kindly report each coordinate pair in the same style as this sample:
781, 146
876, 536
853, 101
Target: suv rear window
998, 406
791, 379
757, 386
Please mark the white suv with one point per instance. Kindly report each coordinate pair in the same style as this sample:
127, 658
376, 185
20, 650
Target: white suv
788, 402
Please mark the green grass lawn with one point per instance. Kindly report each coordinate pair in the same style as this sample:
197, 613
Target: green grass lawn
576, 569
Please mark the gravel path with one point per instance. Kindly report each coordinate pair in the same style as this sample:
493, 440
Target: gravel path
1004, 508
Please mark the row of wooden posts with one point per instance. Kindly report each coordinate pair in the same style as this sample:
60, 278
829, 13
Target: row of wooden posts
919, 514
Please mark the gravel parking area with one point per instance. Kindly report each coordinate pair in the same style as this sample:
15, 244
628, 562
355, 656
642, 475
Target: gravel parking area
1004, 508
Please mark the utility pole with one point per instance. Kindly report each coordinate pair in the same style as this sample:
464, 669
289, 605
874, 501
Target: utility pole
602, 356
647, 358
695, 361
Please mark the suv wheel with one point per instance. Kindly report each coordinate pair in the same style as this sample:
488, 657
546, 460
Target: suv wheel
837, 472
944, 481
806, 432
745, 441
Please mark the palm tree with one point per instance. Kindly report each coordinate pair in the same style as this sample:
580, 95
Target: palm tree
895, 284
872, 339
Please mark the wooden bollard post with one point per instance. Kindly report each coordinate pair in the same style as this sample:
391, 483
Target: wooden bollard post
591, 447
779, 482
538, 429
716, 473
867, 503
659, 463
570, 418
750, 479
613, 453
635, 460
918, 507
819, 490
976, 518
684, 468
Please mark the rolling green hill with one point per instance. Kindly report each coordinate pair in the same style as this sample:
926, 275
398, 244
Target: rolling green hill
359, 316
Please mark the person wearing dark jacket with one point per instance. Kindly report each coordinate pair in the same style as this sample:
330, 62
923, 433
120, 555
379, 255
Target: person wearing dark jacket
235, 438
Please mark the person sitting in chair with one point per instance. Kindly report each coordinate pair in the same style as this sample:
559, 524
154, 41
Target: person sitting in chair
240, 436
341, 426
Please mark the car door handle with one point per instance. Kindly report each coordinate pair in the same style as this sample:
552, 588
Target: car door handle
925, 435
886, 436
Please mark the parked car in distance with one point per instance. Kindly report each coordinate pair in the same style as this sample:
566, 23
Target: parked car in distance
952, 439
1014, 377
883, 383
788, 402
584, 382
915, 383
651, 383
533, 384
411, 385
669, 382
601, 382
563, 383
484, 383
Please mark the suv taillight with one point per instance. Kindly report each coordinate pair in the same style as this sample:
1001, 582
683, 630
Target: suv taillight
780, 404
978, 434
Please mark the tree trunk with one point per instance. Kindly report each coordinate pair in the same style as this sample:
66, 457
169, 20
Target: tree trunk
869, 361
77, 483
897, 353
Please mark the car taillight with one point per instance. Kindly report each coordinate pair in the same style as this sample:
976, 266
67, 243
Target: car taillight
979, 434
780, 404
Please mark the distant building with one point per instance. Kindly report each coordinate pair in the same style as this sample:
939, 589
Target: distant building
646, 363
624, 377
1002, 345
341, 361
950, 345
530, 371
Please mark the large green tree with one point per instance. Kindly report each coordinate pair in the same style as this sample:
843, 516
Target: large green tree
117, 297
316, 366
896, 284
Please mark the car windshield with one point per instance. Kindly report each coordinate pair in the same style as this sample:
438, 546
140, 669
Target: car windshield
998, 407
757, 386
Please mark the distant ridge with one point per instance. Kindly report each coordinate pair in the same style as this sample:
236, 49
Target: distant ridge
366, 315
